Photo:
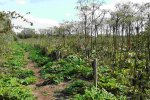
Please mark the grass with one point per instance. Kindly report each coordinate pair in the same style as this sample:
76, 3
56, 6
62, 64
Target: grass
115, 82
13, 78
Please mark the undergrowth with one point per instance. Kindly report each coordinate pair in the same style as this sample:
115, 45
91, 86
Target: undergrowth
13, 76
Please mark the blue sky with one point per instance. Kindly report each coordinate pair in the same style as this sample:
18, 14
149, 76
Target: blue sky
44, 13
53, 9
47, 12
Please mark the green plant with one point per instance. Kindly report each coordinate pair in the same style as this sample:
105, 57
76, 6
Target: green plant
97, 94
12, 74
36, 55
11, 89
28, 80
77, 87
66, 69
21, 74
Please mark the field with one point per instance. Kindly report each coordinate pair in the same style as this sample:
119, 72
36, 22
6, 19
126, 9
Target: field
91, 64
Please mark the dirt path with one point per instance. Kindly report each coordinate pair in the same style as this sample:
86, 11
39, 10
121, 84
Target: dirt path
44, 92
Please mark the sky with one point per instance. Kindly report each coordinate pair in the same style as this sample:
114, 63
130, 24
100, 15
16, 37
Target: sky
47, 13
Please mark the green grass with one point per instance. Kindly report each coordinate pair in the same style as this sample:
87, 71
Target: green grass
13, 77
114, 81
66, 69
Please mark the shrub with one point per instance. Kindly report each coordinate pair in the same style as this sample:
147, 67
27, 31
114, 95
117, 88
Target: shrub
97, 94
76, 87
11, 89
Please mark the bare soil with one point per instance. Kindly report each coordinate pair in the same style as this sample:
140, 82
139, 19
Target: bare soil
44, 92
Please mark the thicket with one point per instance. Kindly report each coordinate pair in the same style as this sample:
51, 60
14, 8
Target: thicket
121, 44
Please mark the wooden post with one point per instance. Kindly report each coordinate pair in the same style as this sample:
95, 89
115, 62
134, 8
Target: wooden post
94, 65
